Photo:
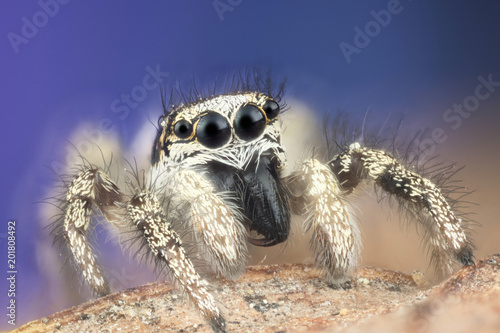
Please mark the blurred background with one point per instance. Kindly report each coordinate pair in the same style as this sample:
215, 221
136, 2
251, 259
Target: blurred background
73, 73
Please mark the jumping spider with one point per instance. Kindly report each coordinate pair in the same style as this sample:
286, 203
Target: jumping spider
217, 165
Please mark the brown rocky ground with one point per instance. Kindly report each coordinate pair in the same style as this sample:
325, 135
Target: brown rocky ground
292, 298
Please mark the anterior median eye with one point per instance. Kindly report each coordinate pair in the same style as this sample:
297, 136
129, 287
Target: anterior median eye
271, 108
213, 130
249, 122
183, 129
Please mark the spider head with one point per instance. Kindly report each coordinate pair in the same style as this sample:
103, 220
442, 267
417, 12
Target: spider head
233, 140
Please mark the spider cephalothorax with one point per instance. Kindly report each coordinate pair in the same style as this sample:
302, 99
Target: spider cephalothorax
233, 141
217, 165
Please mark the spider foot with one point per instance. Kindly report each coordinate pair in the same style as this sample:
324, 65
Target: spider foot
340, 286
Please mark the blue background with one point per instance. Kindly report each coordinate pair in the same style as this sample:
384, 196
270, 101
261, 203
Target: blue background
427, 58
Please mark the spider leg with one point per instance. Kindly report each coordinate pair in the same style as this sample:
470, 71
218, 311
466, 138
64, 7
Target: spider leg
423, 198
146, 213
216, 223
92, 187
335, 234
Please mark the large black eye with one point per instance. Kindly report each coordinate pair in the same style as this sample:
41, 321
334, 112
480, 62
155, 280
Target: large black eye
249, 122
183, 129
271, 108
213, 130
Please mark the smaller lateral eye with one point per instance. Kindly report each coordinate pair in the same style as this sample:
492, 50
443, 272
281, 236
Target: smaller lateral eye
183, 129
271, 108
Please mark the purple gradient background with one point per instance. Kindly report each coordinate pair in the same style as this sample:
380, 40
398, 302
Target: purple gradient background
91, 52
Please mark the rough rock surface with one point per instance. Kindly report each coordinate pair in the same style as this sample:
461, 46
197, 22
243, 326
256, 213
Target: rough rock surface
292, 298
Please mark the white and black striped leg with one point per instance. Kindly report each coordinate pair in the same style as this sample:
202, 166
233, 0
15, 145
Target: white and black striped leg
216, 224
90, 187
335, 234
444, 230
146, 213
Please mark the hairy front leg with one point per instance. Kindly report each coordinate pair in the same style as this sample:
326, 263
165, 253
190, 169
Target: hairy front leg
146, 213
